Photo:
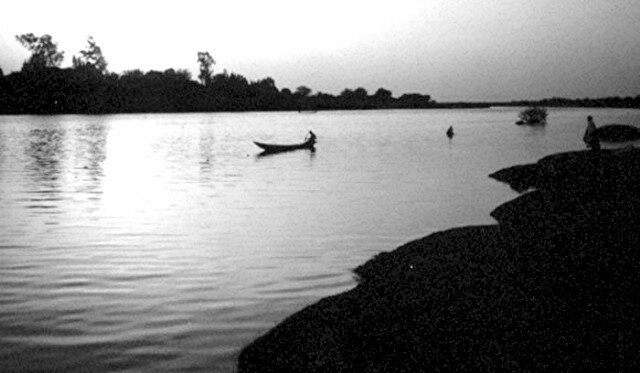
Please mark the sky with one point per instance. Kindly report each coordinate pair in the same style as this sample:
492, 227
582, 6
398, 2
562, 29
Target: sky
453, 50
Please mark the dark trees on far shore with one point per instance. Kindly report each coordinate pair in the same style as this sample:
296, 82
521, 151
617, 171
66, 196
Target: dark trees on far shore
206, 63
44, 52
42, 87
84, 89
91, 56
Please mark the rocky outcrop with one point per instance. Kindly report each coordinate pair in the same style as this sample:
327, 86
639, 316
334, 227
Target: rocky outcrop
613, 133
553, 286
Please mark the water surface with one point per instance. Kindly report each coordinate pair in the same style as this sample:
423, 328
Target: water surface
162, 242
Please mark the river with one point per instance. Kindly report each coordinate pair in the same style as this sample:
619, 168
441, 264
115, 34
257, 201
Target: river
165, 243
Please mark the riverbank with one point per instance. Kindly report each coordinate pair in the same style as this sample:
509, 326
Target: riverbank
552, 286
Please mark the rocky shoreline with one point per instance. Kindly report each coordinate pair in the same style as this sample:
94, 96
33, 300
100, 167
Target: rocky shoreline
553, 286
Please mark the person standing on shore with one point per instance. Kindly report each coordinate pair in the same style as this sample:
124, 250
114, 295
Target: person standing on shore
590, 137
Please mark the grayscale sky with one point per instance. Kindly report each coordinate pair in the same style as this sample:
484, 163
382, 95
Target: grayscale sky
450, 49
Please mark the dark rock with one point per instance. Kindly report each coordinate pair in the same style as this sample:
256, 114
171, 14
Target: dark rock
614, 133
553, 287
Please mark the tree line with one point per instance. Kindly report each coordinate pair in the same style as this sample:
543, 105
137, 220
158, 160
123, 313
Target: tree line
87, 87
43, 87
603, 102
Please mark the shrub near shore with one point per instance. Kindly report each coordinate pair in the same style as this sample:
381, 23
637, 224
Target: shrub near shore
533, 115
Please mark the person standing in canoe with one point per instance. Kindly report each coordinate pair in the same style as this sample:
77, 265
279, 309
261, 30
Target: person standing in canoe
312, 137
590, 137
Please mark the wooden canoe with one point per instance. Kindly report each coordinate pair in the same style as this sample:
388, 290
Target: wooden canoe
277, 148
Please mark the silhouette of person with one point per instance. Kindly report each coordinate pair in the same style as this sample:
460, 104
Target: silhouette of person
590, 137
312, 137
450, 132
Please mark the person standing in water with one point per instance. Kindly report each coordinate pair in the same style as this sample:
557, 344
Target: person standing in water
450, 132
590, 137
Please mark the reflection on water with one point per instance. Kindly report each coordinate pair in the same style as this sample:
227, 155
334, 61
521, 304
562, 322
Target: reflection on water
263, 154
45, 151
164, 242
206, 143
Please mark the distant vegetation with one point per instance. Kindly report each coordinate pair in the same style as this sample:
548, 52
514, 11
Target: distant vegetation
42, 87
604, 102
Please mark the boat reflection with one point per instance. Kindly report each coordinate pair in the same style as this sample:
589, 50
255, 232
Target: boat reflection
268, 153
